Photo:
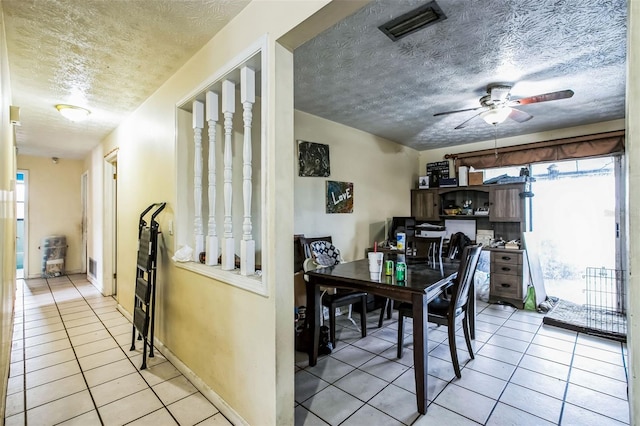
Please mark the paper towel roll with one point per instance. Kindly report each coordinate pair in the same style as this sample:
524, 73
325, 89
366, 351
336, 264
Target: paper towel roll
463, 176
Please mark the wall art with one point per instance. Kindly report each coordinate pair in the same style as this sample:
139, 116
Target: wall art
313, 159
339, 197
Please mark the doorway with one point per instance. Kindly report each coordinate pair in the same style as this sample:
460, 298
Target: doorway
110, 286
576, 218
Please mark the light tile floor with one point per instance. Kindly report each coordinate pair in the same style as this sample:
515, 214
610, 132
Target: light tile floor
71, 365
524, 373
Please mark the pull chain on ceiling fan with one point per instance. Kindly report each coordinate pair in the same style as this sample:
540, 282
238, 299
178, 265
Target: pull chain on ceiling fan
495, 138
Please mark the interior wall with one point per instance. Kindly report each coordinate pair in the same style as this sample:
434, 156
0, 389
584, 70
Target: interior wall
7, 220
234, 341
438, 154
55, 208
382, 172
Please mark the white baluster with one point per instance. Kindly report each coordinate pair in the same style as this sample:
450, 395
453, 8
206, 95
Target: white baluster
198, 124
228, 109
247, 244
212, 236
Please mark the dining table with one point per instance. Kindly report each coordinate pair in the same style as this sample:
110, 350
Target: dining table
423, 283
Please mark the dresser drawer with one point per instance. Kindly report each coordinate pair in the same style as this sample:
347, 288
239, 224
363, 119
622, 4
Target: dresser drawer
514, 258
506, 268
506, 285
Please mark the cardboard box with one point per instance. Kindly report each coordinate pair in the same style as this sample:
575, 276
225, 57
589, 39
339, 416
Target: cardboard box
299, 289
476, 178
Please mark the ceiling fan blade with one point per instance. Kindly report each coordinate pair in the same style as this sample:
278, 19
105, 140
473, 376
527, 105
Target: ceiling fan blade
562, 94
464, 124
459, 110
519, 116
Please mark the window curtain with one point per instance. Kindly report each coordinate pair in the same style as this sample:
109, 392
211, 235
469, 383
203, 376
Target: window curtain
596, 145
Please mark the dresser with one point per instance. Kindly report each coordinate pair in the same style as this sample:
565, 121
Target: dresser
509, 276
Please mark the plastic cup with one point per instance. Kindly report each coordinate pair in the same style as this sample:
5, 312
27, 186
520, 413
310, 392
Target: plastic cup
375, 265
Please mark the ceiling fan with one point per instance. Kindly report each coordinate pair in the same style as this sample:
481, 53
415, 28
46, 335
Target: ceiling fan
497, 105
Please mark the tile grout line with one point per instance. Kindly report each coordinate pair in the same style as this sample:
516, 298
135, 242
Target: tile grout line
74, 351
566, 386
508, 381
148, 385
131, 362
24, 360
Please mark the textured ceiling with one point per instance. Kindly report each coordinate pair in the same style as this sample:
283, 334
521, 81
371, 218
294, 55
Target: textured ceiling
104, 55
109, 56
353, 74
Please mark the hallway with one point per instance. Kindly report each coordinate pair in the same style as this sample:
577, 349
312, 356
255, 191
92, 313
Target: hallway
71, 364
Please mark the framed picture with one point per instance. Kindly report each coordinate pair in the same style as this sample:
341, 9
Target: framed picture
313, 159
339, 197
423, 182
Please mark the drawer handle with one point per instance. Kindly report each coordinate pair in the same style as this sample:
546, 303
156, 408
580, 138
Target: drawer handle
506, 285
506, 258
504, 268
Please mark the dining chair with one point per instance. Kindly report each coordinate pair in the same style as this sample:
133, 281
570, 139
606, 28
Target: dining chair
448, 311
434, 258
323, 253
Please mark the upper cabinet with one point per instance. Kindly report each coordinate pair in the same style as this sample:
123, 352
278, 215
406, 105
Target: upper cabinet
506, 204
425, 204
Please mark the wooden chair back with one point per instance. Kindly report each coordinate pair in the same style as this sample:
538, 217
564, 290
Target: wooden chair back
462, 284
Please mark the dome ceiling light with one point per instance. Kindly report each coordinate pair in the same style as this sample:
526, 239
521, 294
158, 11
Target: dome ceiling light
72, 112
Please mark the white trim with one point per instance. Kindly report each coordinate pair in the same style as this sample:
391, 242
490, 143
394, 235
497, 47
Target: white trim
254, 283
108, 284
84, 194
208, 393
260, 45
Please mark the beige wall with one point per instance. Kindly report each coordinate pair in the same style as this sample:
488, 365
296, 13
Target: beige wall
54, 208
7, 221
382, 173
238, 343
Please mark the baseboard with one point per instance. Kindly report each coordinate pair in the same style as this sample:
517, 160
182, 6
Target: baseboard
39, 274
208, 393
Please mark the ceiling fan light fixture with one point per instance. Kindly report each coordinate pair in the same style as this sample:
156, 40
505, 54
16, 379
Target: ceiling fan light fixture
72, 112
496, 115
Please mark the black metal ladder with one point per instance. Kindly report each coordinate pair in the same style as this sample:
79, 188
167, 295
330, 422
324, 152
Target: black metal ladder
145, 297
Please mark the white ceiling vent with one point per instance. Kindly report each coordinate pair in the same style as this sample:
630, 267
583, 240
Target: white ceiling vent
413, 21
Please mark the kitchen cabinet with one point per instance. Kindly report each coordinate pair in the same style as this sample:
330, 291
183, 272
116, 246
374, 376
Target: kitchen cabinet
425, 204
506, 203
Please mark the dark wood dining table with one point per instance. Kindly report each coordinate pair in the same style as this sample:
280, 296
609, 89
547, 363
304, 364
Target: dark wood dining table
422, 284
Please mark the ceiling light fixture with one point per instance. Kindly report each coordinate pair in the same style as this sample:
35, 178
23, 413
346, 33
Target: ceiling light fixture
73, 113
496, 115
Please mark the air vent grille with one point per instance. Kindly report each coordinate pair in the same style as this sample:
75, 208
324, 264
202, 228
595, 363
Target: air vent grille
413, 21
93, 267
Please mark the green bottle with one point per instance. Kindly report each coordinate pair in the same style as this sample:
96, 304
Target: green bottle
401, 269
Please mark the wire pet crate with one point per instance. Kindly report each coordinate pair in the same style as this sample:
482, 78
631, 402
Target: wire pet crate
606, 301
